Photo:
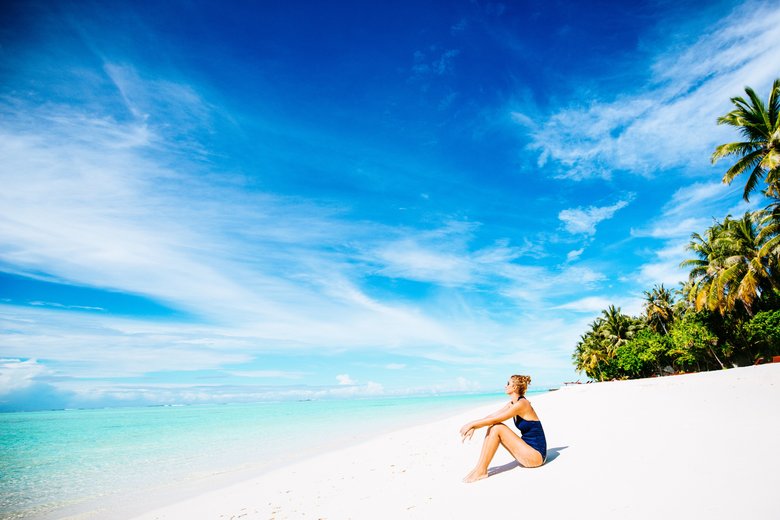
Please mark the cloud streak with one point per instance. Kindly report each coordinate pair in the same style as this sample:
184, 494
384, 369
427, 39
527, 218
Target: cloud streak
583, 221
128, 211
658, 127
690, 209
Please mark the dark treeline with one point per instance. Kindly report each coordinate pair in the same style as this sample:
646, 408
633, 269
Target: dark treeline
728, 312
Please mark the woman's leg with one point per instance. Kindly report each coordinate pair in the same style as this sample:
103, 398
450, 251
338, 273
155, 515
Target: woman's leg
489, 447
501, 434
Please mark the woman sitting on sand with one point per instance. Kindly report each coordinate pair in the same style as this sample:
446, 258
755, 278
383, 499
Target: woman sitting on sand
530, 450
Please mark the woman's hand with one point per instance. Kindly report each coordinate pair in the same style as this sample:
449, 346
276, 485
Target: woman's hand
466, 432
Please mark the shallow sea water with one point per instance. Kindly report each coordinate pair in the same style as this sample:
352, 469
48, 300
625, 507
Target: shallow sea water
60, 463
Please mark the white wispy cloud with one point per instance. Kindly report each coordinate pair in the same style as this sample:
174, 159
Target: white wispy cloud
118, 220
408, 259
91, 345
592, 306
466, 385
113, 394
157, 100
700, 198
584, 220
268, 374
589, 304
668, 122
673, 229
16, 374
344, 379
690, 209
443, 256
535, 285
39, 303
664, 266
126, 211
574, 254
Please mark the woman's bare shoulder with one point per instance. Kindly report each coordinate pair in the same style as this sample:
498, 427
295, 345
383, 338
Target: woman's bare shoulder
527, 411
520, 404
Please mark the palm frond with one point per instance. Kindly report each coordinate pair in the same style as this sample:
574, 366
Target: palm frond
773, 107
693, 263
750, 123
759, 110
738, 148
755, 176
745, 163
770, 248
771, 163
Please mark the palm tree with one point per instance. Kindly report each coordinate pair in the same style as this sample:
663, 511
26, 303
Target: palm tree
591, 351
682, 304
746, 273
730, 267
702, 289
588, 357
759, 153
659, 308
617, 328
769, 234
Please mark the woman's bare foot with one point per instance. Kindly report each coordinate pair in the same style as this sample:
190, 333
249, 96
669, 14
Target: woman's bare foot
473, 476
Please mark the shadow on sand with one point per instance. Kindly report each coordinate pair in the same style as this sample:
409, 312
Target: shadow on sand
552, 454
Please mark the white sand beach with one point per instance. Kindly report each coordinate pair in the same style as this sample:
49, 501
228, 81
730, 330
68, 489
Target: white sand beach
692, 446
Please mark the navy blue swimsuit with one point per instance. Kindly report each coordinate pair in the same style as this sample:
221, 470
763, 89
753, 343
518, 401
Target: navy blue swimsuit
533, 434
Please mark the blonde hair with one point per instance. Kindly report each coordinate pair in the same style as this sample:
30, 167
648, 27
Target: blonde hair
520, 383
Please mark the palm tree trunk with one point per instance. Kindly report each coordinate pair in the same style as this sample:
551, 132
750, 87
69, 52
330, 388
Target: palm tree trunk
715, 356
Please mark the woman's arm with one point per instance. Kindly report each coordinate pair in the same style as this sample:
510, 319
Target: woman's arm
499, 411
499, 416
508, 411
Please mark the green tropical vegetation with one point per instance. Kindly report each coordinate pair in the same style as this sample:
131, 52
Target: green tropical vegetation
728, 311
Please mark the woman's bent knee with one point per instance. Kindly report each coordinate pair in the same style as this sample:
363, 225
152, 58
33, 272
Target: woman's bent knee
495, 430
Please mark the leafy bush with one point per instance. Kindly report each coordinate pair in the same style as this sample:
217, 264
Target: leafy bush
693, 344
643, 355
763, 333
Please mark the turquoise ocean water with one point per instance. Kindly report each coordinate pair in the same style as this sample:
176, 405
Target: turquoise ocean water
62, 463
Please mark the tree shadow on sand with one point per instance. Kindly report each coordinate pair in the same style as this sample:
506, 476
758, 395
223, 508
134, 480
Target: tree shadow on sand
552, 454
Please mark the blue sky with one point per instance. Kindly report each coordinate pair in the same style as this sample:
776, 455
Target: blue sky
209, 203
